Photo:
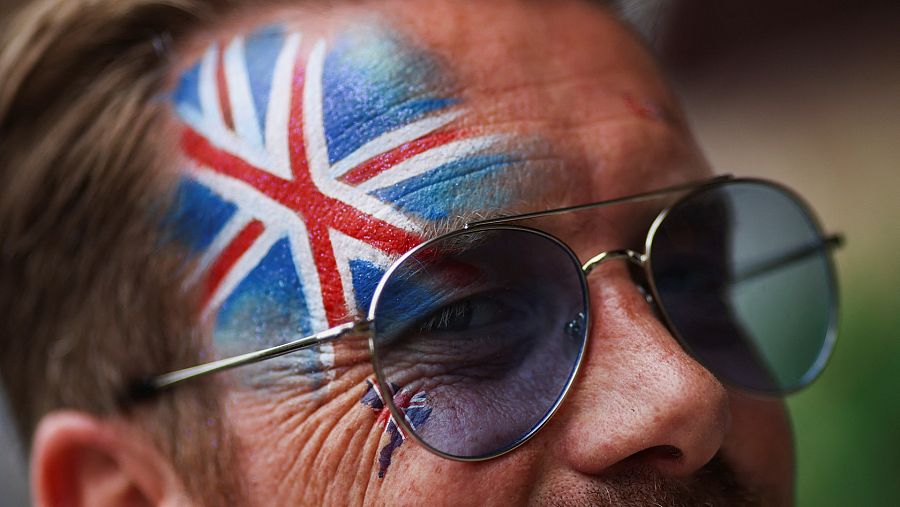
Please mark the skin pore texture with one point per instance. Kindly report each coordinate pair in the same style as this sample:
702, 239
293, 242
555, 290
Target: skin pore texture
322, 142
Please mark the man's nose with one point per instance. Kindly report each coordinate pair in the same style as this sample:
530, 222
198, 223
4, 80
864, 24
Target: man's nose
640, 399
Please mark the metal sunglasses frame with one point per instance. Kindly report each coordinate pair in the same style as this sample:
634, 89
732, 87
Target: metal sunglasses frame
365, 327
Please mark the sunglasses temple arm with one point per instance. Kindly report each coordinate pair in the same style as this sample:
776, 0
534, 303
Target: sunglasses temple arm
156, 384
828, 242
645, 196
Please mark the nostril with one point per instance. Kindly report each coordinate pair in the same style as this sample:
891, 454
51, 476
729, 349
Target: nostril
671, 451
656, 454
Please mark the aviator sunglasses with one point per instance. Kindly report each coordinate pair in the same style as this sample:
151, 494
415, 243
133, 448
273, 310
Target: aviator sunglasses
488, 324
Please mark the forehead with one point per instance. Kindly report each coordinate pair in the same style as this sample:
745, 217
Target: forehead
573, 85
321, 144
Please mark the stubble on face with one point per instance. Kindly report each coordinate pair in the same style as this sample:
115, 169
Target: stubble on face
715, 485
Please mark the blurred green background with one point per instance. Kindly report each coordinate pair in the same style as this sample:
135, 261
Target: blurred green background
808, 93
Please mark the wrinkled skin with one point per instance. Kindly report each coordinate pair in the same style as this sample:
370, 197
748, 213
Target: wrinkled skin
584, 99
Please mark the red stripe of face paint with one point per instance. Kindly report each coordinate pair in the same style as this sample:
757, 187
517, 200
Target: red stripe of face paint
383, 162
230, 256
222, 87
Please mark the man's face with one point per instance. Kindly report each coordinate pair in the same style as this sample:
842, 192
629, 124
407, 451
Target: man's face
323, 142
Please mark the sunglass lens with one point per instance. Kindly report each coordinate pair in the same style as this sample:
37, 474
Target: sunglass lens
744, 276
477, 337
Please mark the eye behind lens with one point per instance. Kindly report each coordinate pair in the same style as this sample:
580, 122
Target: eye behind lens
503, 348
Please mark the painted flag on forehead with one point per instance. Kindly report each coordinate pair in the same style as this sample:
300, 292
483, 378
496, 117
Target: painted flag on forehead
312, 166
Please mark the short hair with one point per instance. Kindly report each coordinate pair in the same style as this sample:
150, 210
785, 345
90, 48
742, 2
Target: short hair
90, 285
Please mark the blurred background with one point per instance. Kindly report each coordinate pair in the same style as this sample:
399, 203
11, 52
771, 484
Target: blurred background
808, 93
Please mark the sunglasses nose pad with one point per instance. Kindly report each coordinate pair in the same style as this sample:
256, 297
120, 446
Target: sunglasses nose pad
575, 327
640, 281
646, 294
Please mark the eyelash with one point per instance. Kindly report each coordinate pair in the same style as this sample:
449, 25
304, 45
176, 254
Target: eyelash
440, 320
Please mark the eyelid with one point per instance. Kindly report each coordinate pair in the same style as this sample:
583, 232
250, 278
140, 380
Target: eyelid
406, 311
440, 288
453, 296
504, 306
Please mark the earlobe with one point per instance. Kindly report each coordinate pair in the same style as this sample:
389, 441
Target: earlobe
80, 460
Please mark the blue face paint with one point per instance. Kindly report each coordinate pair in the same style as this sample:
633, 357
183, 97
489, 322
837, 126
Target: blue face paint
366, 276
198, 214
373, 84
262, 48
186, 95
452, 188
269, 303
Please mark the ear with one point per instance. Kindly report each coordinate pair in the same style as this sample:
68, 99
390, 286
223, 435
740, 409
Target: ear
80, 460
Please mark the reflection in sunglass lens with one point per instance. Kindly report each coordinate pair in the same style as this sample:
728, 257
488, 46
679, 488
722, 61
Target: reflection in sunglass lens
743, 273
478, 335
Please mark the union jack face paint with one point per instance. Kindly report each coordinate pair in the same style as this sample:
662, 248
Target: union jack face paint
311, 165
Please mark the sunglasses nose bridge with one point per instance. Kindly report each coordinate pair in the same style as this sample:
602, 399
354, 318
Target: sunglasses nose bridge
629, 255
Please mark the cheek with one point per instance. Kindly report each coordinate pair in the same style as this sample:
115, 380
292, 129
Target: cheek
482, 393
507, 480
300, 446
760, 445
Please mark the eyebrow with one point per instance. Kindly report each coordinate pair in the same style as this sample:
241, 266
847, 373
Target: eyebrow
460, 221
465, 219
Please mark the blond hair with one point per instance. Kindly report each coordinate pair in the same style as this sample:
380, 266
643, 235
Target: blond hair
90, 286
